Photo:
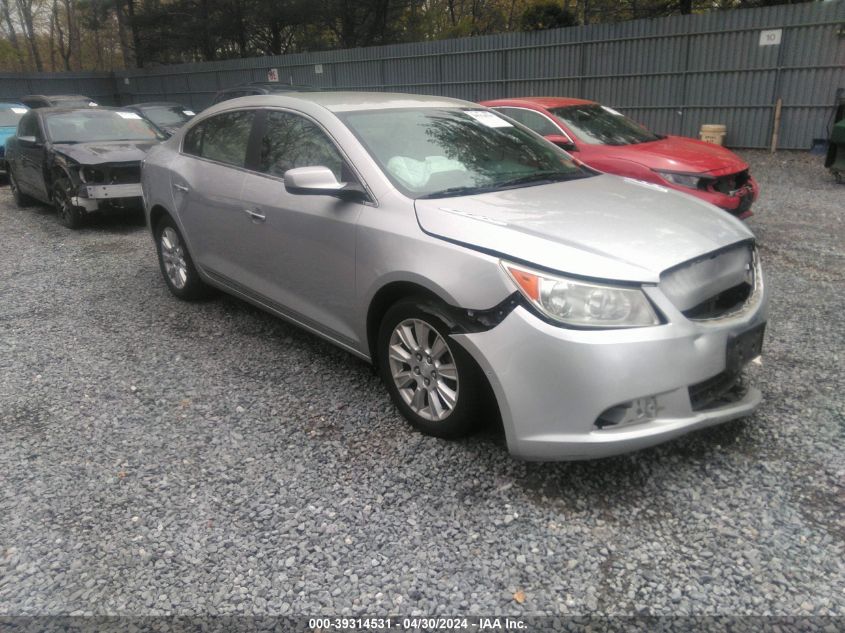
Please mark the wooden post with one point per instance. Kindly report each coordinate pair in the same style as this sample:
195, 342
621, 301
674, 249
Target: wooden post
776, 126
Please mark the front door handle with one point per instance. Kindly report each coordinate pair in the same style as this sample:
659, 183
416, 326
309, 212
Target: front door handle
181, 188
255, 215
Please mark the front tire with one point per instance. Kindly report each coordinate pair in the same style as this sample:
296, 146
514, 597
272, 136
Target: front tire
69, 215
176, 265
432, 380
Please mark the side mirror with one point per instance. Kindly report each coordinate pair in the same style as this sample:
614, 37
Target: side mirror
562, 142
320, 181
28, 141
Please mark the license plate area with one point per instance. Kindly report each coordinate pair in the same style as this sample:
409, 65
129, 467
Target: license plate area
744, 347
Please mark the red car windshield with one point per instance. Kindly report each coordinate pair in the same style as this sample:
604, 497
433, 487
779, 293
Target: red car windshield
599, 125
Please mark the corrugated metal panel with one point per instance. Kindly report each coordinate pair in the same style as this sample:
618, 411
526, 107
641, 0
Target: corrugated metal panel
672, 74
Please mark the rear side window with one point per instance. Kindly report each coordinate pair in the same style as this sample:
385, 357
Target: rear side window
292, 141
532, 120
223, 138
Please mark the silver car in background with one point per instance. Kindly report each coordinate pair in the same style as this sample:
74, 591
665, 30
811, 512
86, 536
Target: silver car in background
466, 256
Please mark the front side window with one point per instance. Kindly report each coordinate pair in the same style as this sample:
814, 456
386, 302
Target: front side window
223, 137
293, 141
442, 152
85, 126
599, 125
532, 120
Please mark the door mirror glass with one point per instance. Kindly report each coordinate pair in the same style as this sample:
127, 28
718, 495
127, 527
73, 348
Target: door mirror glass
562, 142
321, 181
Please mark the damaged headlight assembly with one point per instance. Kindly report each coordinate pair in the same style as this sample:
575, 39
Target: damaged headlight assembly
582, 304
693, 181
91, 175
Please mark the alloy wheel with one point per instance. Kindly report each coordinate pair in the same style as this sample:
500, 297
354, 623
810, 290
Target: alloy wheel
173, 256
423, 369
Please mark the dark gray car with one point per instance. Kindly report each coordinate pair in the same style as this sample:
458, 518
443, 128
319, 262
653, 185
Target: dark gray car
259, 88
80, 160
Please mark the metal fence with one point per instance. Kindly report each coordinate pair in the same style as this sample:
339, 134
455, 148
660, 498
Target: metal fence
99, 86
673, 74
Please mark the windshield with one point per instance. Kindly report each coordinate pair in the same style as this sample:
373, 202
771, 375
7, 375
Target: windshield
84, 126
167, 116
9, 117
599, 125
441, 152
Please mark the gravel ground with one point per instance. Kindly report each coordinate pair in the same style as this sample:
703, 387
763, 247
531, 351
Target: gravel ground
158, 457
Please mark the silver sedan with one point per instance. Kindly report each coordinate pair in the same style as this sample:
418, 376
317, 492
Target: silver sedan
468, 259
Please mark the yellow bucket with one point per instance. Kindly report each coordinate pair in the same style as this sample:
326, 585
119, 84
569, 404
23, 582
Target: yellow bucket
712, 133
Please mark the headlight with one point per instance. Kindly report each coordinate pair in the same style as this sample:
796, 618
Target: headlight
583, 304
693, 181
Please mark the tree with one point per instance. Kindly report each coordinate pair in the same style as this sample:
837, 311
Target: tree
546, 15
12, 34
26, 13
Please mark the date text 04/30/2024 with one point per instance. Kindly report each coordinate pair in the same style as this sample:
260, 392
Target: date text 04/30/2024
417, 623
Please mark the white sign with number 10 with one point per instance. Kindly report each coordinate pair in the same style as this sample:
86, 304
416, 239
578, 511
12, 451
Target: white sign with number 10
770, 37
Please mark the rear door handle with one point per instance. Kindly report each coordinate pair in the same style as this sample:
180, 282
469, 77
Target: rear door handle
181, 188
255, 215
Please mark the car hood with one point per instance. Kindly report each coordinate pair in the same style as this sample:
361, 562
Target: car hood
105, 152
678, 153
602, 227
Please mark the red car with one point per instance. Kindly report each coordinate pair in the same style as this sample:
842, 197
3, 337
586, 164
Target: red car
610, 142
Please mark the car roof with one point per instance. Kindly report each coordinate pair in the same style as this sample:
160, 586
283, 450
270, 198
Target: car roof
56, 97
543, 102
60, 108
150, 104
346, 101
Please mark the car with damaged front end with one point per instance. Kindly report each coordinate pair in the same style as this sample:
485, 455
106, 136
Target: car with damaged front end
80, 160
472, 261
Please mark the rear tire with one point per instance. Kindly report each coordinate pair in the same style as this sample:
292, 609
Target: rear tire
21, 199
433, 381
176, 265
69, 215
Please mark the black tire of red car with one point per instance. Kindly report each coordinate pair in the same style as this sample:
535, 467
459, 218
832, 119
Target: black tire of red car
69, 215
194, 287
21, 199
469, 405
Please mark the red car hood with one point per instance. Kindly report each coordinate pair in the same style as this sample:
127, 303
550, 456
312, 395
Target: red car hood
677, 153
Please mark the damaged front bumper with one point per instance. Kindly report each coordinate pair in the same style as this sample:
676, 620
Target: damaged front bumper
96, 197
567, 394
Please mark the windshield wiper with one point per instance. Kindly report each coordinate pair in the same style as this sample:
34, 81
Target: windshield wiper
542, 177
457, 191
